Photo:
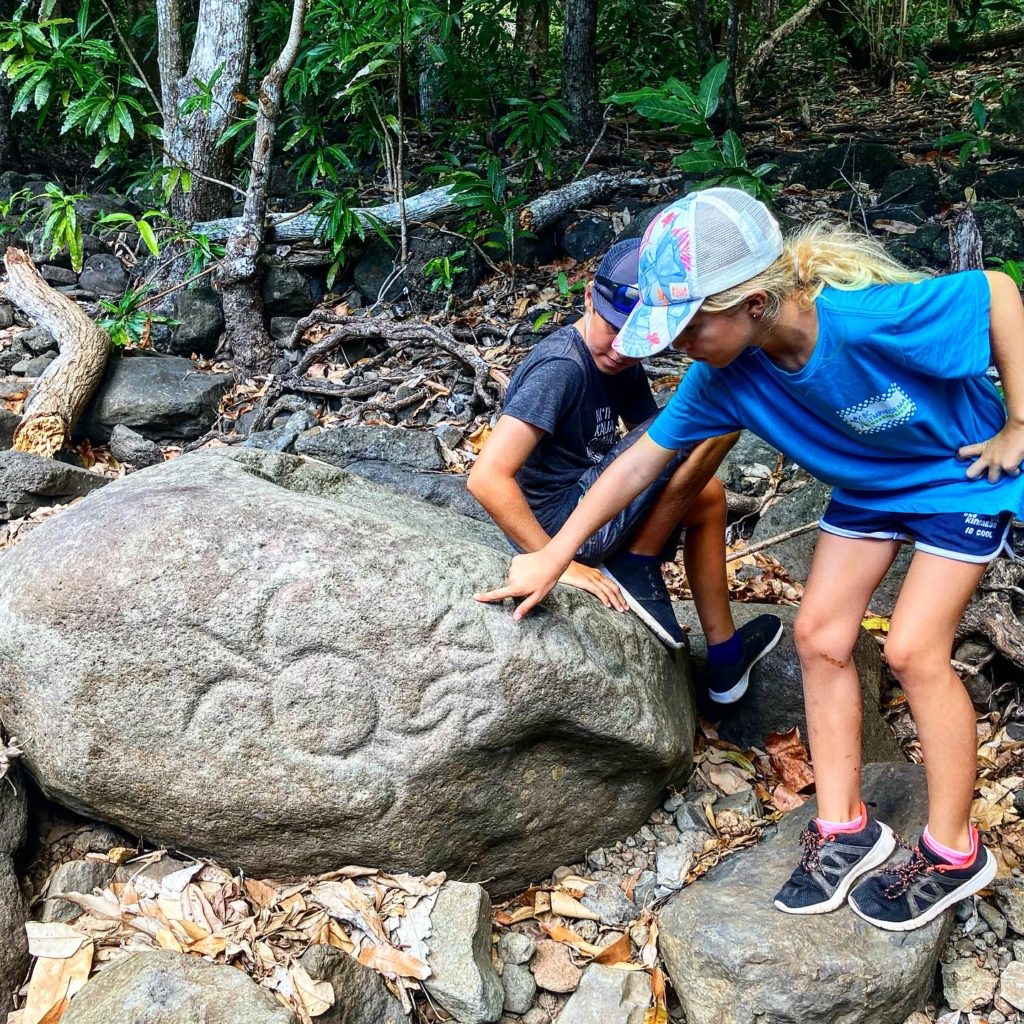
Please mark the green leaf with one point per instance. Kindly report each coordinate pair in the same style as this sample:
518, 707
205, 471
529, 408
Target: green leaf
148, 236
671, 110
543, 319
710, 89
978, 112
732, 150
121, 111
699, 162
42, 93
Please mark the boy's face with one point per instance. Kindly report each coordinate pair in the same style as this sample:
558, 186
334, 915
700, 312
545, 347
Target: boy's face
600, 335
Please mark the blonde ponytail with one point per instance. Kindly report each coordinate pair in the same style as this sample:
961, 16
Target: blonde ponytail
816, 256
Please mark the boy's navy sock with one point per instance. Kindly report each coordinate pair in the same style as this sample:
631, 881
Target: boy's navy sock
729, 652
632, 556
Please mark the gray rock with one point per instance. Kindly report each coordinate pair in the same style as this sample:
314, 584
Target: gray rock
14, 947
1009, 894
608, 996
13, 812
57, 275
360, 995
161, 987
285, 292
993, 919
804, 504
81, 876
775, 702
966, 984
343, 663
587, 236
520, 988
37, 340
412, 449
445, 490
749, 464
645, 889
674, 863
282, 327
28, 482
515, 947
281, 439
104, 275
200, 321
1011, 985
1001, 230
610, 903
744, 803
157, 396
463, 979
912, 186
36, 366
136, 450
536, 1016
6, 315
837, 968
8, 424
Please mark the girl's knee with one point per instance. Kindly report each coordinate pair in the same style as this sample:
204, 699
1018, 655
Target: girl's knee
909, 660
819, 641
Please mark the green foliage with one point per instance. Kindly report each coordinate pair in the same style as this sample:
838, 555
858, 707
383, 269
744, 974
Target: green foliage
535, 130
143, 225
1012, 268
725, 163
441, 271
565, 289
339, 224
971, 143
58, 221
126, 321
676, 104
486, 202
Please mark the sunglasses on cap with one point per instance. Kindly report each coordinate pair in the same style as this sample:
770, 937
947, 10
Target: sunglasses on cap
623, 297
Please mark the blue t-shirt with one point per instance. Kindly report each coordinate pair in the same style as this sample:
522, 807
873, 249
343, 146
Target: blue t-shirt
895, 385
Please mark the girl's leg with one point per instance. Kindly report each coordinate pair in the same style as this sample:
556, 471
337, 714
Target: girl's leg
918, 650
844, 574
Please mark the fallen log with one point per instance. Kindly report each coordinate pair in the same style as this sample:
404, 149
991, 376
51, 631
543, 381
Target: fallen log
437, 202
62, 392
999, 39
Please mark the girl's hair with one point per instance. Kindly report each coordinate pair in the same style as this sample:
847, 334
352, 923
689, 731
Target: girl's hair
817, 255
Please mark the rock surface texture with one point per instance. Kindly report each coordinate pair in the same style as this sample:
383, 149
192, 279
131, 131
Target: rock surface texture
13, 942
735, 959
162, 987
315, 636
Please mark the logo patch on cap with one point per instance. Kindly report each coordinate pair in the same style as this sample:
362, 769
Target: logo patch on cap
679, 290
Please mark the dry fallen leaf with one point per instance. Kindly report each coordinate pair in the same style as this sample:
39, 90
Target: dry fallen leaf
789, 758
389, 960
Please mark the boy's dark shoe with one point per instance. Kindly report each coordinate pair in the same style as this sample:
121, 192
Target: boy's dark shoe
728, 683
831, 866
920, 889
643, 586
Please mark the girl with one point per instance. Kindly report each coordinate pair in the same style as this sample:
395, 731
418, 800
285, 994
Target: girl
873, 379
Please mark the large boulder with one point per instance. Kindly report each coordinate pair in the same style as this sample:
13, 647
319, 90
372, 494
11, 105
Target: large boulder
160, 397
775, 700
161, 987
28, 482
805, 503
294, 657
735, 959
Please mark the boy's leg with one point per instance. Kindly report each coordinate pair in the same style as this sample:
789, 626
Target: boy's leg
949, 863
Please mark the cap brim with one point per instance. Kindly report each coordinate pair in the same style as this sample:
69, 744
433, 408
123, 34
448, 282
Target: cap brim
649, 329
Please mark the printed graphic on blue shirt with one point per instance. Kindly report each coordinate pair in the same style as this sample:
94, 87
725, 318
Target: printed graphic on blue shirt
882, 412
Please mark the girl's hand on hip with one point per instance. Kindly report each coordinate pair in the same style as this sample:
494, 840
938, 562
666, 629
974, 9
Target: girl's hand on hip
593, 581
1001, 454
532, 577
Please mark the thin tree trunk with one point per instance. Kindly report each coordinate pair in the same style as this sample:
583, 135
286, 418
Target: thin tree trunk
730, 107
533, 32
222, 48
579, 69
702, 32
8, 146
237, 275
764, 52
61, 394
836, 16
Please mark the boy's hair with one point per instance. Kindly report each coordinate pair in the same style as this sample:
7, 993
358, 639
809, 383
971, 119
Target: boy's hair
816, 256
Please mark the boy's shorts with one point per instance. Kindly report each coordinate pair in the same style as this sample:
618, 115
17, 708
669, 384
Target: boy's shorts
963, 536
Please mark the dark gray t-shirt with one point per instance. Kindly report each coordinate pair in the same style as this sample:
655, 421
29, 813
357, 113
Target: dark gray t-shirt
559, 389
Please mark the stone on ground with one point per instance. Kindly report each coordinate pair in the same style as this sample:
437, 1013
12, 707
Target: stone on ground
315, 636
520, 988
8, 425
552, 967
28, 482
76, 876
463, 979
134, 449
162, 987
160, 397
515, 948
1011, 984
361, 997
734, 959
13, 941
966, 984
775, 700
414, 449
608, 996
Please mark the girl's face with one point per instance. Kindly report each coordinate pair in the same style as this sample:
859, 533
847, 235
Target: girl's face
718, 338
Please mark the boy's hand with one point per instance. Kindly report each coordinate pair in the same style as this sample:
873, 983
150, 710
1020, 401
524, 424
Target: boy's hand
531, 576
1001, 454
593, 581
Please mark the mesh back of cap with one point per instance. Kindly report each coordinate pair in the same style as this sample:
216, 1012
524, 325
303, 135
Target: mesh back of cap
724, 242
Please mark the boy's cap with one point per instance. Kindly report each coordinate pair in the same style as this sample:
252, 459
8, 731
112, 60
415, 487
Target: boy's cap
704, 243
619, 265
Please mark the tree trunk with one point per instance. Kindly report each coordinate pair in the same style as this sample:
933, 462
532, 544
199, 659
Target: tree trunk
533, 34
60, 395
579, 69
764, 52
8, 148
730, 107
836, 16
433, 102
702, 32
237, 277
1000, 39
222, 48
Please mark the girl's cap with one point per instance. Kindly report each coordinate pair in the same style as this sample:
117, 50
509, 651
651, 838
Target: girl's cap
704, 243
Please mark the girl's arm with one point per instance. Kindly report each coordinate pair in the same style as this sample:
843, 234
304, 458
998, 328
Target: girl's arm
1003, 453
533, 576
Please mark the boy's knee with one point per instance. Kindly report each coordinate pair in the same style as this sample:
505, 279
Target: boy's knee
708, 504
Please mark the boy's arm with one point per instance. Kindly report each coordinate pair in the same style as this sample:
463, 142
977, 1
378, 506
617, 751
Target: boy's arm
492, 481
1003, 453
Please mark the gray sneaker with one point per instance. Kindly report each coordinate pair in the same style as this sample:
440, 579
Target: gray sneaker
831, 865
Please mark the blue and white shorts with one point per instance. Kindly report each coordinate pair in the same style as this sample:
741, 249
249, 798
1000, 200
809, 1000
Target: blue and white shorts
964, 536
